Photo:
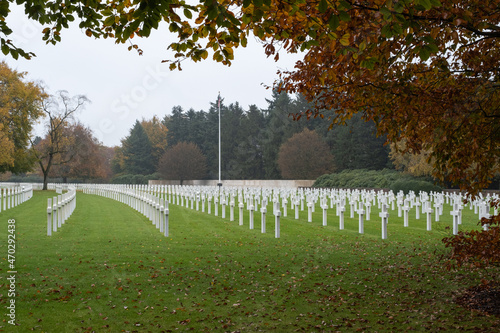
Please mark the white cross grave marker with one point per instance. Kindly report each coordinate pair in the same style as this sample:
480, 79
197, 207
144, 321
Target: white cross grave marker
309, 211
49, 217
341, 217
251, 217
429, 216
277, 224
241, 206
361, 214
324, 207
263, 220
384, 214
405, 208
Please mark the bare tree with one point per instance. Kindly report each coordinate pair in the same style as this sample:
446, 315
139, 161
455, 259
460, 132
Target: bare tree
56, 147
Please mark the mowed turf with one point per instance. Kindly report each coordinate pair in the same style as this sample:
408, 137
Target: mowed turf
108, 269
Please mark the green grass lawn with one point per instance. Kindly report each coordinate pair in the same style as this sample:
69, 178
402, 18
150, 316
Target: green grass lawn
108, 269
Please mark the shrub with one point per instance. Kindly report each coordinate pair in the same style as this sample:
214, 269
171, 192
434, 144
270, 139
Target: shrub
26, 179
360, 178
133, 179
386, 178
407, 185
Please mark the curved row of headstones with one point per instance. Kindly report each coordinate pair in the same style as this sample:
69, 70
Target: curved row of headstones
154, 207
14, 195
152, 201
60, 208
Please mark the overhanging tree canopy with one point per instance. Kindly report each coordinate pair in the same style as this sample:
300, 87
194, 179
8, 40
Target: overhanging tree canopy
424, 70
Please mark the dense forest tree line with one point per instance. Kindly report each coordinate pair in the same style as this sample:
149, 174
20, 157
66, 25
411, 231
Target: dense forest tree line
251, 140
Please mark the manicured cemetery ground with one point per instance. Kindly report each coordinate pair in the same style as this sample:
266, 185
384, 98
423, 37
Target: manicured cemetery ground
108, 269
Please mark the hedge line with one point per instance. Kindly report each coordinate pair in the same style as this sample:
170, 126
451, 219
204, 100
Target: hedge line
133, 179
383, 179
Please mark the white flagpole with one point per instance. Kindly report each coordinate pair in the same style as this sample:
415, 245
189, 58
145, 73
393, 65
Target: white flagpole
218, 104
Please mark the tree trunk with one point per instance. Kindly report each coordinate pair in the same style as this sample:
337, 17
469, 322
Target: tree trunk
45, 172
45, 180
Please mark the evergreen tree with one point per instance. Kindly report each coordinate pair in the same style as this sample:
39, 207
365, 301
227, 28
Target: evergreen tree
250, 140
280, 127
137, 152
196, 127
356, 146
210, 146
176, 124
231, 136
241, 138
248, 153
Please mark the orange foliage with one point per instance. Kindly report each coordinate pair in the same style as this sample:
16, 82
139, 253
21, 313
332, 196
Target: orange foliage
20, 108
183, 161
83, 157
421, 74
157, 134
478, 248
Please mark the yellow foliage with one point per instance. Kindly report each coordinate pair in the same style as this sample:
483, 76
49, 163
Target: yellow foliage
157, 134
20, 107
416, 164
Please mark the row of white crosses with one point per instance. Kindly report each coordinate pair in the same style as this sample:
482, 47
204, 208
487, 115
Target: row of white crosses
203, 198
144, 199
360, 203
13, 196
253, 197
59, 209
250, 198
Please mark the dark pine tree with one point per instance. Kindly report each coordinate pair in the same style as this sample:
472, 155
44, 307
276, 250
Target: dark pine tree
248, 153
137, 152
356, 146
176, 123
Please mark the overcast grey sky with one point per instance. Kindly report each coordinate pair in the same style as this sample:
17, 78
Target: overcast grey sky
124, 86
